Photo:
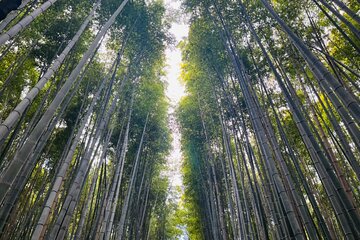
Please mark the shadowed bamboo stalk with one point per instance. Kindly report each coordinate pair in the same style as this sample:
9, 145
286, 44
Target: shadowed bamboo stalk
353, 29
310, 228
14, 116
347, 10
25, 22
62, 222
94, 180
121, 227
259, 129
4, 23
10, 174
318, 68
41, 225
114, 193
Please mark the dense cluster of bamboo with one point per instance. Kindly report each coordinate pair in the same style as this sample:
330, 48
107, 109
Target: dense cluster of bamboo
82, 148
270, 126
275, 120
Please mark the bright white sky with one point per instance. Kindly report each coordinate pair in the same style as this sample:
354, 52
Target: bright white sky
173, 55
175, 90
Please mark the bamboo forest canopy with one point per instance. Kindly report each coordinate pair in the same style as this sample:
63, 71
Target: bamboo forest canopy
269, 124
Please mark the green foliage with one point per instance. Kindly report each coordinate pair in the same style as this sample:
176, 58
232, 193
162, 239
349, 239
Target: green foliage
242, 140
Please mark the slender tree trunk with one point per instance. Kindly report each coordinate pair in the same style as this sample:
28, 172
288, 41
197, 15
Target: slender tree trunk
109, 216
93, 185
121, 227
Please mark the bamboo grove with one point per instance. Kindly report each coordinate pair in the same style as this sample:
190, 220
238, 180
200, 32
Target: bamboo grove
83, 130
270, 125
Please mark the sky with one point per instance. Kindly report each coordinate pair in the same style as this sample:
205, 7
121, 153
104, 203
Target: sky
175, 91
